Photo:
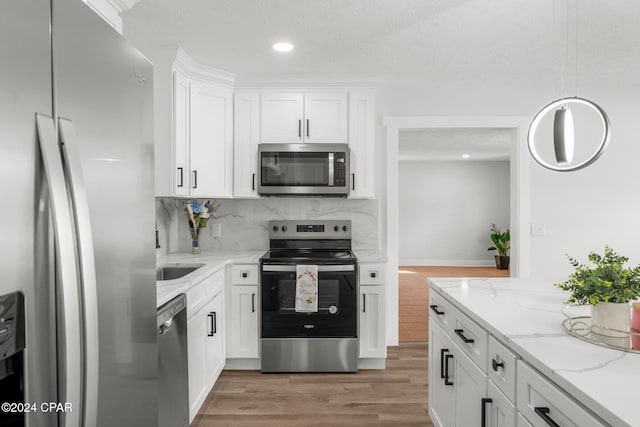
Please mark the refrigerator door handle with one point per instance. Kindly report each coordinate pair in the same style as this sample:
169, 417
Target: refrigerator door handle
80, 205
70, 345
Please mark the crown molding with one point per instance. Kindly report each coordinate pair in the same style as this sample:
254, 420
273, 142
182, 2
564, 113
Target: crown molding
321, 82
195, 70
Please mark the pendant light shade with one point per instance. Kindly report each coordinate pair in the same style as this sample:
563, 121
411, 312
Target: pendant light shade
563, 135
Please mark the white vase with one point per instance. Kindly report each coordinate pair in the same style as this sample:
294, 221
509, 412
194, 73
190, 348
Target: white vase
610, 323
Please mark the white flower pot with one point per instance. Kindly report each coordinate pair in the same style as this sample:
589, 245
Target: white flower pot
610, 323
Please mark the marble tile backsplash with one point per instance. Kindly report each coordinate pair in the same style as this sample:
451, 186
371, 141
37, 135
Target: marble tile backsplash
244, 223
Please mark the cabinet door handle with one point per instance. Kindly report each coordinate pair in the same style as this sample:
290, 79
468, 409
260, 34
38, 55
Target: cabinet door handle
253, 182
495, 365
364, 303
443, 351
299, 129
253, 303
483, 411
195, 179
181, 177
460, 333
434, 307
446, 369
211, 331
543, 412
353, 181
307, 128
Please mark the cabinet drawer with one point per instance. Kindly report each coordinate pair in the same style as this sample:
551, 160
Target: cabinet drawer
471, 338
502, 368
371, 274
540, 401
441, 311
244, 274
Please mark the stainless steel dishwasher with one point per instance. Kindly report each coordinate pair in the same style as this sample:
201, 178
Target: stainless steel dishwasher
173, 405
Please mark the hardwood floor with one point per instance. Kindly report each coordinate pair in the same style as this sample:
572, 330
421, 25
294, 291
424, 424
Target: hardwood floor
394, 397
413, 296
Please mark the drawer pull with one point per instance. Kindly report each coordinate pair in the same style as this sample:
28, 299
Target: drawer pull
434, 307
495, 365
484, 401
543, 412
245, 274
446, 369
459, 332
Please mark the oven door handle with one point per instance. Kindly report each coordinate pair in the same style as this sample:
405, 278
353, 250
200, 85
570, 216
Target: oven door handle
321, 268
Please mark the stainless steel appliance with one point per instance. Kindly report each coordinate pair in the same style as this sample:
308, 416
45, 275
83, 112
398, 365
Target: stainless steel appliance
322, 341
303, 170
173, 372
77, 219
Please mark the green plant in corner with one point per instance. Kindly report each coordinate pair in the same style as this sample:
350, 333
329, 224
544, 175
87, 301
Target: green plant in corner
609, 281
500, 240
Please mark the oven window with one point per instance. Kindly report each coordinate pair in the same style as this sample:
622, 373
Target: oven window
337, 306
295, 169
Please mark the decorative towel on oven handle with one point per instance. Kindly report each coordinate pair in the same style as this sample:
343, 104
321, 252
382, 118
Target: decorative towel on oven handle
306, 289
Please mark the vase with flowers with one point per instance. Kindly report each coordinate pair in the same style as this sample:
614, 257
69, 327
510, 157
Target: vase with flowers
197, 216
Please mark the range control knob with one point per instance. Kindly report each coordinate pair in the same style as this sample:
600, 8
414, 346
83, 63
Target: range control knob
336, 228
344, 228
284, 228
275, 228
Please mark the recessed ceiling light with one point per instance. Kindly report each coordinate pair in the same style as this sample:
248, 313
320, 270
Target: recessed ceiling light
465, 156
282, 47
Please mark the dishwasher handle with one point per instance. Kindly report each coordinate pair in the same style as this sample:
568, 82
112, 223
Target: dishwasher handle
164, 328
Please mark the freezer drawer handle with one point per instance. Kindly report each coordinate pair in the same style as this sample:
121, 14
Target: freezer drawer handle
460, 333
543, 412
434, 307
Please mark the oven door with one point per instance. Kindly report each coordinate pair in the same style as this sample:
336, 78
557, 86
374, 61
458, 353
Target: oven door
337, 300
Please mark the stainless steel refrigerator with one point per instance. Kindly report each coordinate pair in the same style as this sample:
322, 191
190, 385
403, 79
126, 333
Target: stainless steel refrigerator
77, 214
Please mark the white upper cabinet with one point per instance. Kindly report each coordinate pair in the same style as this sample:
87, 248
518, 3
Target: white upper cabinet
362, 144
193, 129
282, 116
325, 117
246, 137
304, 117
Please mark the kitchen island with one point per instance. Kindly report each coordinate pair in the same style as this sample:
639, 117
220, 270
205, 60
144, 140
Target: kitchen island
523, 317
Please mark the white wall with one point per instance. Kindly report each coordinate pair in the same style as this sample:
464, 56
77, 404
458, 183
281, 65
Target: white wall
582, 210
446, 210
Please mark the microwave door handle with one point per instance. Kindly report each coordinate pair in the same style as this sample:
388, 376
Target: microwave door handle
331, 172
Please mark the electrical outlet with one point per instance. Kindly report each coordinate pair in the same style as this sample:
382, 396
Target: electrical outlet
217, 230
538, 229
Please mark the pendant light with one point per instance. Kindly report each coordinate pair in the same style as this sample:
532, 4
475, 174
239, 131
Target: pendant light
563, 125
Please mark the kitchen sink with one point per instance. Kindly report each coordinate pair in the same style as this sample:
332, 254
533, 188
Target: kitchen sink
175, 271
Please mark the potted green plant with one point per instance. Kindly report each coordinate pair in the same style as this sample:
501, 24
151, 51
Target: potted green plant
500, 241
608, 286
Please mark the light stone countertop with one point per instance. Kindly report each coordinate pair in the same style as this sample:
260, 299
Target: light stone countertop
214, 261
370, 255
526, 315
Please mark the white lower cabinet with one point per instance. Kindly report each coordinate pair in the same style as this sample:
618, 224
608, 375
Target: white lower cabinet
243, 322
205, 341
372, 323
510, 393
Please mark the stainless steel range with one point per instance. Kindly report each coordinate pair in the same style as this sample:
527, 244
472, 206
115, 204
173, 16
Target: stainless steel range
319, 334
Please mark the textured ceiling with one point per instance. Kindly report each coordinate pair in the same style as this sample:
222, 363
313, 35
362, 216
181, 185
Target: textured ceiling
464, 41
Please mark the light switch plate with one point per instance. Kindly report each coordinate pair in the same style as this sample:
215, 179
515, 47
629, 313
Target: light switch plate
538, 229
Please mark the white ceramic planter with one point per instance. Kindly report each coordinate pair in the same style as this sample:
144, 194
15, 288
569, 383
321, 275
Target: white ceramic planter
610, 323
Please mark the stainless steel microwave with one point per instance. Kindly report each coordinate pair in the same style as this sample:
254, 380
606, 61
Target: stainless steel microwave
303, 169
